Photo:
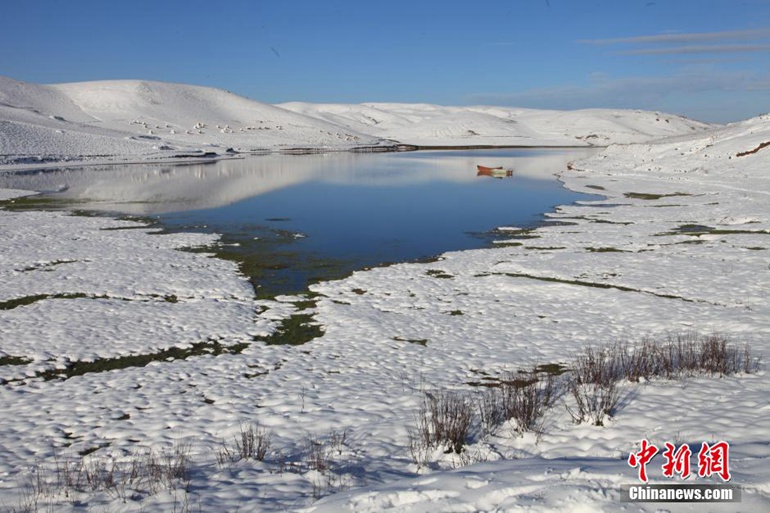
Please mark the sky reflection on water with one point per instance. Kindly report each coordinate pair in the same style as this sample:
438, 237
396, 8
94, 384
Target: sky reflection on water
300, 218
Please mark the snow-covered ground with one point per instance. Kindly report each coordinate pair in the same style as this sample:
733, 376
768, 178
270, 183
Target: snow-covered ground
680, 245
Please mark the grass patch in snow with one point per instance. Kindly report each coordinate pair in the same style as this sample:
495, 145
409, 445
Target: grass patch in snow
79, 368
601, 221
45, 266
14, 360
607, 250
295, 330
271, 267
700, 229
592, 284
28, 300
552, 369
438, 273
649, 196
35, 202
752, 151
419, 341
545, 248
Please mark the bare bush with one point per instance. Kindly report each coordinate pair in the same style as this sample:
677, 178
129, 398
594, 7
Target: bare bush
522, 399
596, 373
126, 477
323, 458
254, 443
593, 382
318, 455
593, 401
717, 356
443, 421
250, 443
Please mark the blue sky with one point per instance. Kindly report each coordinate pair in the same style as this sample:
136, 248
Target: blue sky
707, 59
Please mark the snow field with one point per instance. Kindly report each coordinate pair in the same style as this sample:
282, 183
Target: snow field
679, 245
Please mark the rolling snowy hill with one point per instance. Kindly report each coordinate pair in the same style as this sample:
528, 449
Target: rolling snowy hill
433, 125
129, 120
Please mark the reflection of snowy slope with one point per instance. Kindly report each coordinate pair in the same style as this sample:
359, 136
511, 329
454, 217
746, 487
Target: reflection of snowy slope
153, 189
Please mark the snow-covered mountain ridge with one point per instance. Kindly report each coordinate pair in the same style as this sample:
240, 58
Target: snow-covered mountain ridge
128, 120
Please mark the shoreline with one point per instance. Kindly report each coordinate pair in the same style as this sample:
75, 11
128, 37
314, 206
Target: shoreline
214, 157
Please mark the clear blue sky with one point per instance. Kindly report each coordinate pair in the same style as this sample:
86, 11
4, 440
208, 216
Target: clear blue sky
708, 59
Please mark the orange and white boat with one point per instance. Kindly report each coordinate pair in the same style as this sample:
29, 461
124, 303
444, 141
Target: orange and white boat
495, 172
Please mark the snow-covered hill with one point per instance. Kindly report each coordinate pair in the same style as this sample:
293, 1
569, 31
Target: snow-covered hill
433, 125
140, 120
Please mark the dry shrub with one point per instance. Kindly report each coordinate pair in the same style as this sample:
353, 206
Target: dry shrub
443, 421
523, 400
250, 443
596, 373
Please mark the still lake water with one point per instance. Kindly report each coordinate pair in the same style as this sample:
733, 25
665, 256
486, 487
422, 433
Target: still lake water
291, 220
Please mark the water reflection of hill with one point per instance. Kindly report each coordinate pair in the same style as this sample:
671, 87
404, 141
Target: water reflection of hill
156, 189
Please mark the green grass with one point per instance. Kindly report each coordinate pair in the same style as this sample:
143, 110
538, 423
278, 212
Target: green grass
419, 341
607, 250
14, 360
545, 248
648, 196
295, 330
552, 369
10, 304
79, 368
701, 229
588, 284
438, 273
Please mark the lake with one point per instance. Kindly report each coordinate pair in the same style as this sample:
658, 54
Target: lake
294, 219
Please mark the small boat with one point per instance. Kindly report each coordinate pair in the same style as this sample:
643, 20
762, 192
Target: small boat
495, 172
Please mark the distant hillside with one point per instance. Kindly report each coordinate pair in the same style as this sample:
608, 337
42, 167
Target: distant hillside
139, 120
433, 125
